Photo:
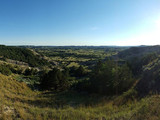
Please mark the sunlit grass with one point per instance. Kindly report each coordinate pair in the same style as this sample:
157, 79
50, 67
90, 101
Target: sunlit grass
19, 101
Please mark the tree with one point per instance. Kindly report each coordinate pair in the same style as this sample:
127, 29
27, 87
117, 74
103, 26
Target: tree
123, 79
31, 71
55, 80
80, 72
110, 78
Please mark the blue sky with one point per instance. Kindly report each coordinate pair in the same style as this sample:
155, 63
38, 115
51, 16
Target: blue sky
80, 22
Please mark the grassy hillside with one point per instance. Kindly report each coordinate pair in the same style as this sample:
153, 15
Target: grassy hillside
21, 54
138, 51
145, 64
20, 102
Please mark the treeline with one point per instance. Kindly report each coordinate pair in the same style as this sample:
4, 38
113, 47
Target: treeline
21, 54
108, 78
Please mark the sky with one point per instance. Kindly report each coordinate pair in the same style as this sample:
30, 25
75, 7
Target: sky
80, 22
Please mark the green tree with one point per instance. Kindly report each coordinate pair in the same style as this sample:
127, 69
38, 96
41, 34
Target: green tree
55, 80
30, 71
123, 79
80, 72
110, 78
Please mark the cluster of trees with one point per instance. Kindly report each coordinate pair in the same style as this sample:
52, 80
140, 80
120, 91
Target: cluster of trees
107, 78
78, 71
57, 80
21, 54
110, 78
30, 71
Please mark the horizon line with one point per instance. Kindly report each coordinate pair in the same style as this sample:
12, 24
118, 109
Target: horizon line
79, 45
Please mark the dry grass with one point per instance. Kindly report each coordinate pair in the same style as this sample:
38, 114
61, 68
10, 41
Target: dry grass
17, 101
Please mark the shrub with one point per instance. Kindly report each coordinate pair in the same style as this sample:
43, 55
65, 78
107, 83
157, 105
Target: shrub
4, 69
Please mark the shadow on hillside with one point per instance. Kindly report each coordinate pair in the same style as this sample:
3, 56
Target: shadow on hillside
64, 99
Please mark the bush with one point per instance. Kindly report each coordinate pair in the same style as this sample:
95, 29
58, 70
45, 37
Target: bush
31, 71
4, 69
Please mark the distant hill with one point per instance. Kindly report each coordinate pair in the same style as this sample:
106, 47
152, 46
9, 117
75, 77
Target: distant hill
145, 64
138, 51
21, 54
